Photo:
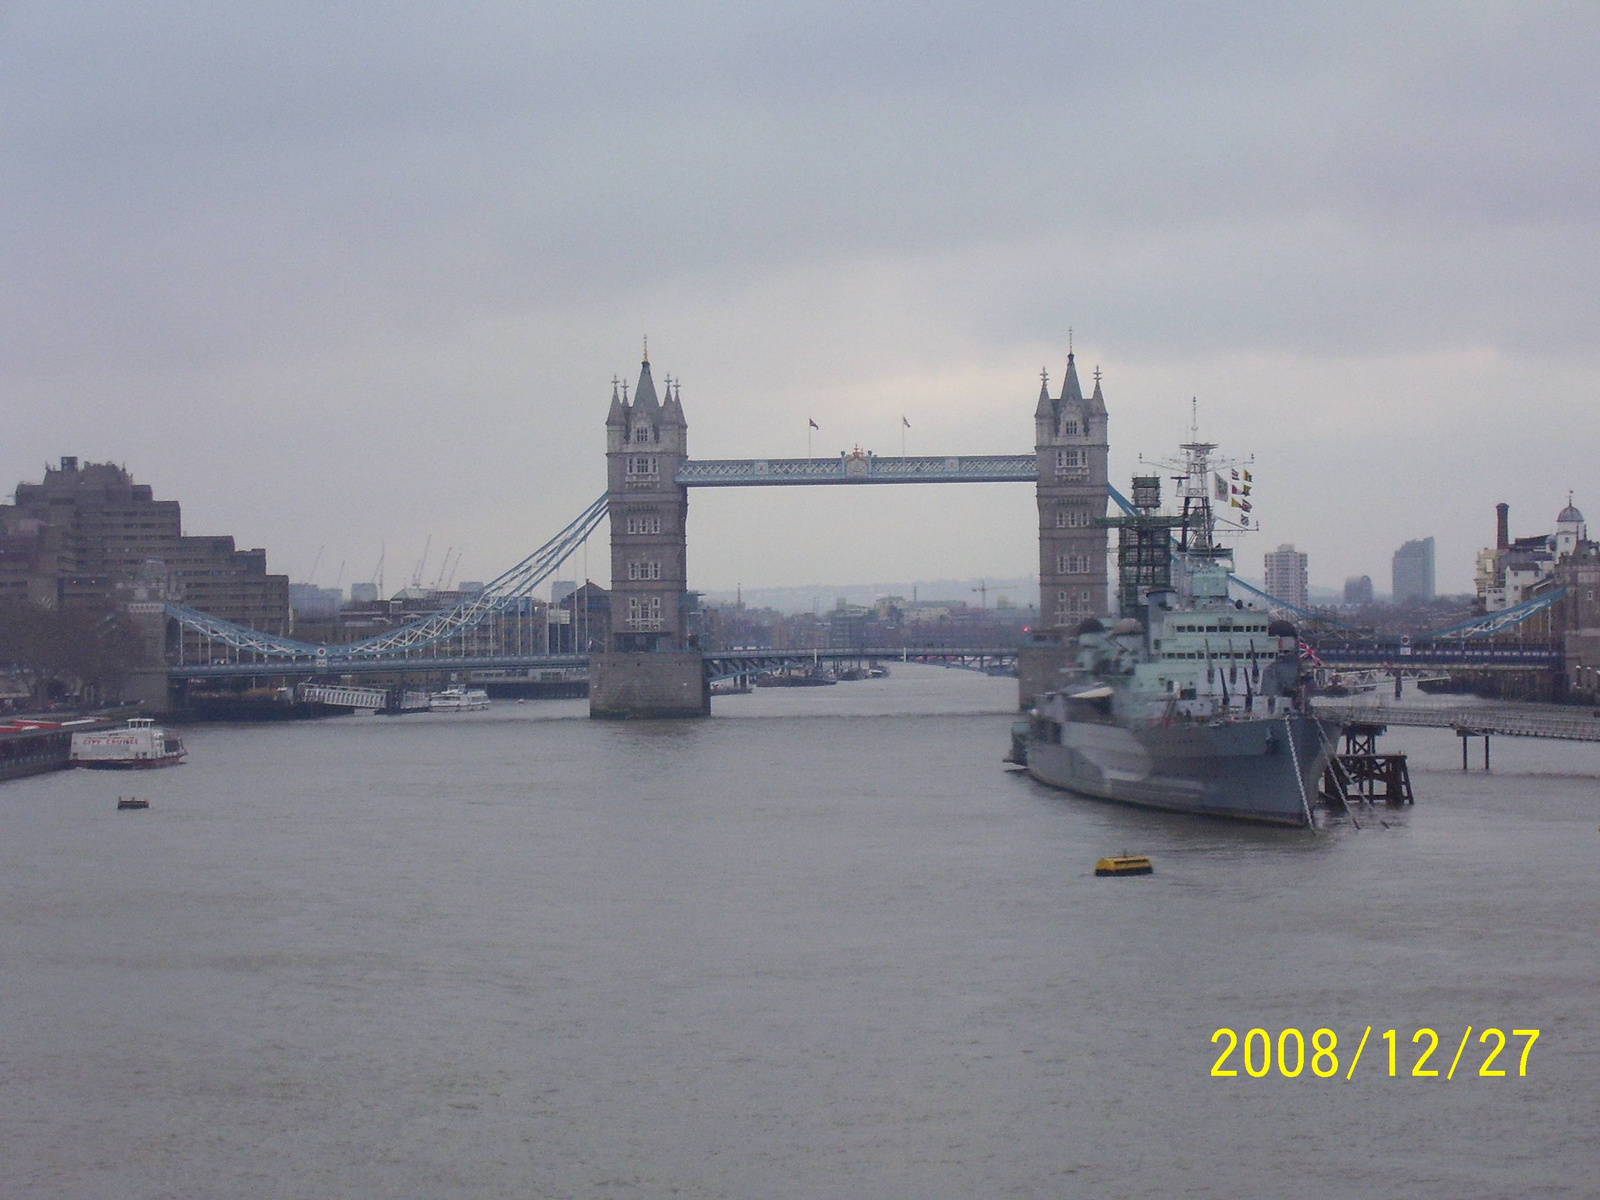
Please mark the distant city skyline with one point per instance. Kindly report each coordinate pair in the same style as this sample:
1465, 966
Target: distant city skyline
348, 293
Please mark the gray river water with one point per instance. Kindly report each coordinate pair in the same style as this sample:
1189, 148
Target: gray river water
820, 945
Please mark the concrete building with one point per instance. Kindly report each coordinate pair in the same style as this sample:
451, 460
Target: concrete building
307, 600
1286, 575
1413, 571
89, 536
848, 624
1071, 441
1358, 590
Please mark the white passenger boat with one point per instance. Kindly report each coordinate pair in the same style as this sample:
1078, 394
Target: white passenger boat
141, 744
458, 700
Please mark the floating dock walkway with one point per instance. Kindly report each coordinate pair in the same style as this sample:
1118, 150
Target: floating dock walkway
1479, 721
1576, 725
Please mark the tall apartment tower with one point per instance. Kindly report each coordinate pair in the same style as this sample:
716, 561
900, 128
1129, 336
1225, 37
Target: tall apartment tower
1286, 575
646, 443
1413, 571
1070, 437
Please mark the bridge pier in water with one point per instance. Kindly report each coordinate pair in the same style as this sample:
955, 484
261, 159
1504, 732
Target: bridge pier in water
648, 684
1039, 667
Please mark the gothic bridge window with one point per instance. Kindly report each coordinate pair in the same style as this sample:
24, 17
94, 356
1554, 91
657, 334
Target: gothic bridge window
644, 612
1072, 464
644, 466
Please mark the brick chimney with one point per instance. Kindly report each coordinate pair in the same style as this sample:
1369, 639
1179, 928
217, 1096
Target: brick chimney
1502, 527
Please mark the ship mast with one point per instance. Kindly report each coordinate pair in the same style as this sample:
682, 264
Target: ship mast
1205, 496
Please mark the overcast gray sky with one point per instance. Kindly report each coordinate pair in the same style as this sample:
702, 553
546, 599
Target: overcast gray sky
353, 275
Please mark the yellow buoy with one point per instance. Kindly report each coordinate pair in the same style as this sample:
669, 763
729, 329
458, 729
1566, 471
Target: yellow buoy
1125, 864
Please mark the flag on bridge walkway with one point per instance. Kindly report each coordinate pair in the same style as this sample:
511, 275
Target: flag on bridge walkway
905, 423
812, 423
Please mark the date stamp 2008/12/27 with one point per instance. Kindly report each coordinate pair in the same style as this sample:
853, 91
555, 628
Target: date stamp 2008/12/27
1293, 1054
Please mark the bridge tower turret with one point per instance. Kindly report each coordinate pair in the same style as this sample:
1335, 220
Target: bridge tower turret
1070, 437
646, 444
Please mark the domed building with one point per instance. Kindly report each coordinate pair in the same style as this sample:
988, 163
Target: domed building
1570, 529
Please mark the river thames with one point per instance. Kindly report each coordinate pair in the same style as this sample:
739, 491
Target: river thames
820, 945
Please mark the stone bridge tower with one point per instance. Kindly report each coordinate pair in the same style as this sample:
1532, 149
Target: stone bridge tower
649, 670
1070, 436
646, 443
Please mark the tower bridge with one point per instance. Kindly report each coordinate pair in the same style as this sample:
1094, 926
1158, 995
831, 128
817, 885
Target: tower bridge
652, 666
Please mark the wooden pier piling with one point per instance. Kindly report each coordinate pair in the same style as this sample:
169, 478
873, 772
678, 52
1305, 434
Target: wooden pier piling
1464, 733
1361, 773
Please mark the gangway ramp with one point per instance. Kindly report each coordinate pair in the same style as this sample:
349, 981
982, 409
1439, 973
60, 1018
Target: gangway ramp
343, 695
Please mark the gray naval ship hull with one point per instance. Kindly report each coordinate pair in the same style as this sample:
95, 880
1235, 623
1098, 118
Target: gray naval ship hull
1248, 770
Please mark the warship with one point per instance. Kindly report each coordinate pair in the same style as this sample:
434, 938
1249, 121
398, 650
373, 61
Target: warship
1188, 701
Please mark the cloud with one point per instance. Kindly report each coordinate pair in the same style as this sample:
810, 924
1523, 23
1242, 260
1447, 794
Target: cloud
350, 255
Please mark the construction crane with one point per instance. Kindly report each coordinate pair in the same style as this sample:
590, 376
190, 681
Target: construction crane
416, 576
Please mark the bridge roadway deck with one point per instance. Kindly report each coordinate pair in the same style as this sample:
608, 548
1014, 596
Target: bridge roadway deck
720, 664
1568, 724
